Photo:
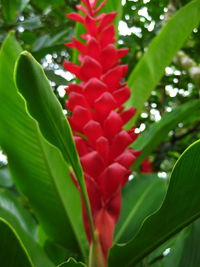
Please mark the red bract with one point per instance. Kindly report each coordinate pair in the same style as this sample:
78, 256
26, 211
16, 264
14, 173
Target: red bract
98, 117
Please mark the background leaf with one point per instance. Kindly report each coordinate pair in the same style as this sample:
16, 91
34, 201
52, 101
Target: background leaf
176, 212
59, 80
158, 131
160, 53
12, 8
5, 178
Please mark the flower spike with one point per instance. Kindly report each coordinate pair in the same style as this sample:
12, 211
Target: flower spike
98, 117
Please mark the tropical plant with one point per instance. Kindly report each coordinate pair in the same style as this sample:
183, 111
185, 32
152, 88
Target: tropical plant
81, 189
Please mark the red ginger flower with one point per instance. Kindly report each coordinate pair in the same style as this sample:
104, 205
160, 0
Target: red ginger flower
98, 117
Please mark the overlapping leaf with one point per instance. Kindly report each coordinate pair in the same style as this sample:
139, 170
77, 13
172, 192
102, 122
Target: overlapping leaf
45, 108
38, 168
18, 246
187, 249
180, 208
141, 197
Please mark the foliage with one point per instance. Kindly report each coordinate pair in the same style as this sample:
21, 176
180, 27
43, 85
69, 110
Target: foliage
40, 207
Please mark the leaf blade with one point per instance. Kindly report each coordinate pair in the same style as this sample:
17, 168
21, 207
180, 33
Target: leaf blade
54, 126
141, 197
48, 186
16, 225
158, 131
11, 9
175, 213
160, 53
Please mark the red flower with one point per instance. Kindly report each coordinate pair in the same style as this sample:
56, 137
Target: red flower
98, 117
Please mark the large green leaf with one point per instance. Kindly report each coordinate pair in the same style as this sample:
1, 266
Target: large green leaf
158, 131
141, 197
180, 207
46, 109
18, 246
160, 53
12, 8
187, 249
38, 168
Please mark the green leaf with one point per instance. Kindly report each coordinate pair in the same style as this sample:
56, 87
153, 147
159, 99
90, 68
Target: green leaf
5, 178
54, 251
72, 263
18, 246
180, 208
43, 4
158, 131
31, 24
157, 254
46, 109
38, 168
48, 41
141, 197
187, 249
52, 76
12, 8
11, 251
145, 76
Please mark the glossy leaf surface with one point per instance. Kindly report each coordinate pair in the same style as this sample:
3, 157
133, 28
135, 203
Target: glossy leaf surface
45, 108
141, 197
187, 249
38, 168
176, 212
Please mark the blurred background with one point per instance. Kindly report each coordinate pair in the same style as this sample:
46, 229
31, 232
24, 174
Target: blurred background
42, 28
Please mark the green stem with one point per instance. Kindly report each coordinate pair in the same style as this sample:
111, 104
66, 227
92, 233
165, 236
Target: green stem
96, 257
